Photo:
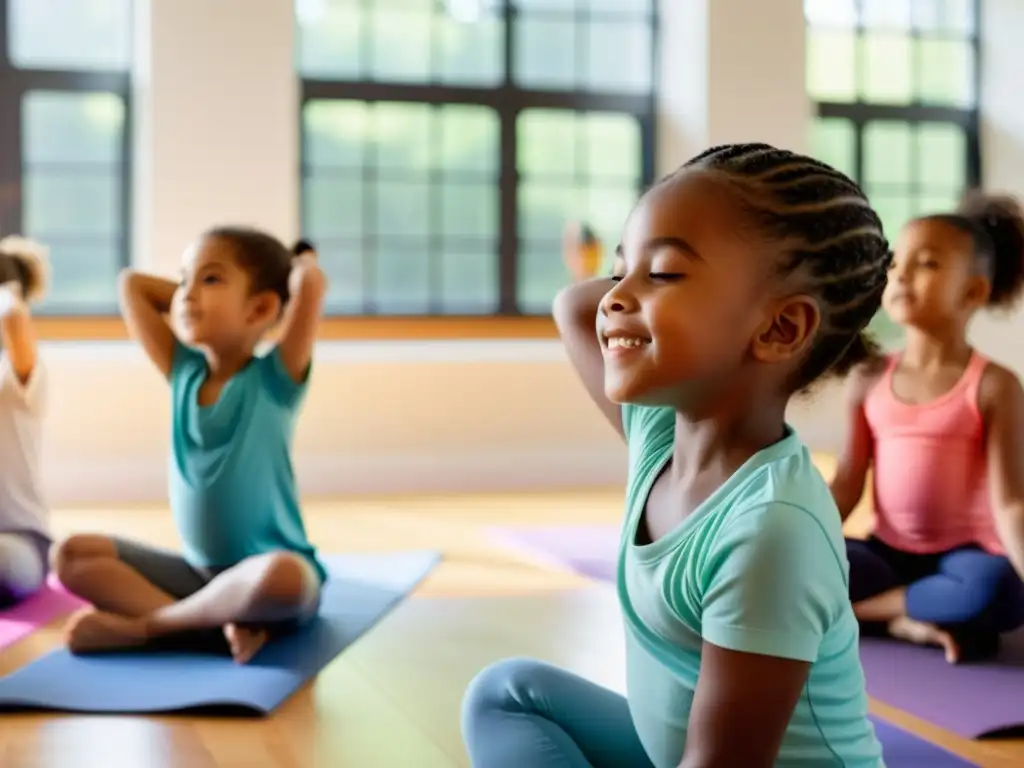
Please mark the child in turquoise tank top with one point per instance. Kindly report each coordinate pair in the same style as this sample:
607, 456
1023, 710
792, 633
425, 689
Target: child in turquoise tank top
247, 569
740, 280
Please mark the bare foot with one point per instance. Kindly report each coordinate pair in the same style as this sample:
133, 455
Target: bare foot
921, 633
92, 631
244, 642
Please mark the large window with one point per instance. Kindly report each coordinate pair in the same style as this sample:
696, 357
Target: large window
445, 144
64, 88
895, 83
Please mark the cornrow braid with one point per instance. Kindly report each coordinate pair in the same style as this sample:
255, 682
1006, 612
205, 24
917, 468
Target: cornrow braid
830, 235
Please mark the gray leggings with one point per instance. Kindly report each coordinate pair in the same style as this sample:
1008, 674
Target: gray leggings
520, 713
22, 566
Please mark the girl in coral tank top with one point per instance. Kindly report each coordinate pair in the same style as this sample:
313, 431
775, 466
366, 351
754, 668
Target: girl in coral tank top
943, 429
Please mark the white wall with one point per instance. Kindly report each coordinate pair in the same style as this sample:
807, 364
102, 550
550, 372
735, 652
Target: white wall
217, 140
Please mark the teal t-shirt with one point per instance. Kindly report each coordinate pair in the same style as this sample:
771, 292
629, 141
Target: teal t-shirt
760, 567
232, 487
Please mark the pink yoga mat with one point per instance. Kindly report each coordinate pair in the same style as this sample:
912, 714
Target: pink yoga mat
40, 609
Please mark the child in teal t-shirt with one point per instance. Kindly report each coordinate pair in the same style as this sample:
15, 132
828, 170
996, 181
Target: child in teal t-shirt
742, 278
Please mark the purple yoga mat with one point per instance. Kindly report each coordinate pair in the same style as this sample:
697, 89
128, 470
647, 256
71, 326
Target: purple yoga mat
589, 550
901, 749
972, 700
42, 608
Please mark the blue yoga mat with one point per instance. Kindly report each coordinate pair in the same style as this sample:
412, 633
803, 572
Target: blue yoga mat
359, 593
901, 749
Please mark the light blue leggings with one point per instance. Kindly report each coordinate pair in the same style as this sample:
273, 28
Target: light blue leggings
521, 713
22, 568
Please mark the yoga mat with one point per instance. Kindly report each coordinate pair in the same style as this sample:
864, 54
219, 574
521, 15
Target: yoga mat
43, 607
589, 550
901, 749
360, 591
984, 700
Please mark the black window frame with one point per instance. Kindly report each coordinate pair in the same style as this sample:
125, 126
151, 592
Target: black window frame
860, 113
507, 100
15, 84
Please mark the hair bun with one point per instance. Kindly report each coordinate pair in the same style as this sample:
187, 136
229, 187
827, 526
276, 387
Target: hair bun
35, 258
1001, 220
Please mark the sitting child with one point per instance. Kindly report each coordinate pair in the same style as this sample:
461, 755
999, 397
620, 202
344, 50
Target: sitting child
942, 427
247, 565
24, 524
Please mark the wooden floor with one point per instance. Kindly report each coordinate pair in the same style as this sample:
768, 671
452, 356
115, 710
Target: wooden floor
392, 700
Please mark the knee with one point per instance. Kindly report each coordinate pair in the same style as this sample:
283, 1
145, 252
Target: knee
505, 686
285, 580
67, 554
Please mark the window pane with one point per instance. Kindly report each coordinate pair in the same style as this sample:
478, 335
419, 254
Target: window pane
547, 5
400, 46
470, 210
402, 136
945, 72
72, 128
612, 146
545, 53
470, 140
606, 210
83, 274
401, 279
335, 133
70, 34
329, 39
833, 141
619, 56
619, 7
831, 13
945, 15
942, 156
333, 205
545, 208
895, 210
343, 263
937, 203
547, 143
886, 14
885, 62
832, 66
402, 208
887, 154
72, 204
541, 275
469, 281
470, 53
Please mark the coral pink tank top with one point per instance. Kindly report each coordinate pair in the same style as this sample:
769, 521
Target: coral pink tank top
930, 481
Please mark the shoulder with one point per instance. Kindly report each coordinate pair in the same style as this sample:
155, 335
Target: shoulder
864, 377
275, 379
787, 502
640, 421
999, 390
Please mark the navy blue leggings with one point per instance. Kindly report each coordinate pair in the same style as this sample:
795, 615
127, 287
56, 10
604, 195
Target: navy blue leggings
965, 590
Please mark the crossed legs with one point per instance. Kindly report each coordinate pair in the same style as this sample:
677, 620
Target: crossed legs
139, 595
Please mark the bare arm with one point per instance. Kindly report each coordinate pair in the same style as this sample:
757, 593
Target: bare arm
16, 331
852, 470
308, 286
575, 313
1001, 400
145, 302
741, 708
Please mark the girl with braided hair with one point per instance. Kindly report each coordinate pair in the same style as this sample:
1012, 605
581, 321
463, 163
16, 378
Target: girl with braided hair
24, 514
740, 280
943, 429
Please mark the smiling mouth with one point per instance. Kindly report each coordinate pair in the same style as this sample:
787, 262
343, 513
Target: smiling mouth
625, 342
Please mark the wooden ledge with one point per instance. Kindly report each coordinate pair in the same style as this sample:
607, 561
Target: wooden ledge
335, 328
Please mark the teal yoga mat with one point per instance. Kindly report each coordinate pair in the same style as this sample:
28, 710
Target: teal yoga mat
361, 590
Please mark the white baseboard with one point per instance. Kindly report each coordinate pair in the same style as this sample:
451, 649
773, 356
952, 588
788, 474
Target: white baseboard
97, 481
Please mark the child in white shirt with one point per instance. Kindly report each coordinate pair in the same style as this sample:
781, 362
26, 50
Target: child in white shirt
24, 515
